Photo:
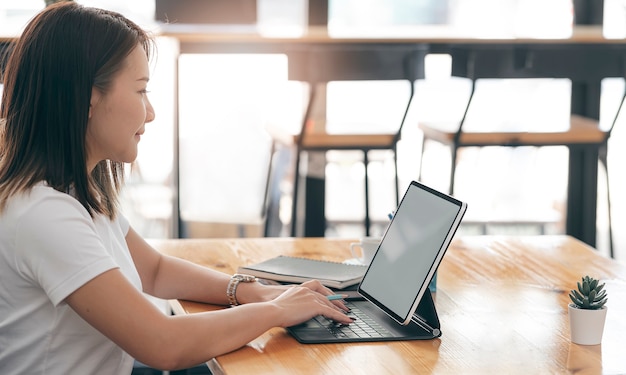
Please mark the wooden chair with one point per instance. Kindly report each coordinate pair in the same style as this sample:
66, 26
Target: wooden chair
320, 66
582, 131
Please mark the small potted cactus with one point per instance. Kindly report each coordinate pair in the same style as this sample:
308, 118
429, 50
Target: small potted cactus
587, 312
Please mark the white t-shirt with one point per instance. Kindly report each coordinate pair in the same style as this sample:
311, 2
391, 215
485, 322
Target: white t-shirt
49, 247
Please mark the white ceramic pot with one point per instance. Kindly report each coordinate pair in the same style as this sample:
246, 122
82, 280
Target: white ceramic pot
586, 326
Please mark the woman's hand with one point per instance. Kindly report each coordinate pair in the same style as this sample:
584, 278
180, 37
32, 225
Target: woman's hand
317, 286
258, 292
303, 302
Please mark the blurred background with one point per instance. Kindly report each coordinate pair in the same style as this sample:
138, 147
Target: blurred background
225, 148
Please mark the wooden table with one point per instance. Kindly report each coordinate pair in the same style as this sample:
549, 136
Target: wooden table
502, 302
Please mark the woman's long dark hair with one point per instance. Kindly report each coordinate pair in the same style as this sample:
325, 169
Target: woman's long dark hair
64, 52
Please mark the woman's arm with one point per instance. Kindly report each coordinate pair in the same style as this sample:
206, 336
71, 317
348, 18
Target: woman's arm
117, 309
112, 305
169, 277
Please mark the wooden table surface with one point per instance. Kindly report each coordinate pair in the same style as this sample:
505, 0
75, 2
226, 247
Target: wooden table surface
502, 302
416, 34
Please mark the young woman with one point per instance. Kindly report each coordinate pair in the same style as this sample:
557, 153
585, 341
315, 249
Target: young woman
72, 269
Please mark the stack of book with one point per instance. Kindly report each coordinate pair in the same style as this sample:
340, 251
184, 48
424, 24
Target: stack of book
287, 269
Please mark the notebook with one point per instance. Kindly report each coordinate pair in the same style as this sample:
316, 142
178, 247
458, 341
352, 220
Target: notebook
288, 269
393, 300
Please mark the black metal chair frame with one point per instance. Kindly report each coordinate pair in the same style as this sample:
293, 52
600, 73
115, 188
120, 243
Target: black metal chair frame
457, 142
357, 65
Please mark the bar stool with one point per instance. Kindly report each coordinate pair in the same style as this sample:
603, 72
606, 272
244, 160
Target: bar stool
317, 66
518, 63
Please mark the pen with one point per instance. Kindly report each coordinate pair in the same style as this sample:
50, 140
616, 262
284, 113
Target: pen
334, 297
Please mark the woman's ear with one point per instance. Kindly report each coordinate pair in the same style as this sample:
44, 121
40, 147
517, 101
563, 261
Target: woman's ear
95, 98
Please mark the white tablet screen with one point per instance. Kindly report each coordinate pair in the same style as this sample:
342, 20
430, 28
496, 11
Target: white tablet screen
411, 250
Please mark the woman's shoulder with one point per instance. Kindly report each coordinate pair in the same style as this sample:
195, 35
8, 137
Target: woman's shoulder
44, 200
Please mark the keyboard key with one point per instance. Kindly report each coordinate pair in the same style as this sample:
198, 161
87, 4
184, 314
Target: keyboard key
362, 327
